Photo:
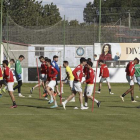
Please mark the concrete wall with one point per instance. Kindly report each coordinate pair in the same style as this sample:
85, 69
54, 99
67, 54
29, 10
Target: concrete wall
14, 54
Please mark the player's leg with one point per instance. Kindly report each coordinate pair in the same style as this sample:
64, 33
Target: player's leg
100, 85
32, 89
89, 92
109, 86
19, 88
132, 95
78, 88
71, 87
10, 90
85, 96
131, 83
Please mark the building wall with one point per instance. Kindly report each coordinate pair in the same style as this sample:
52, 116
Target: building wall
15, 50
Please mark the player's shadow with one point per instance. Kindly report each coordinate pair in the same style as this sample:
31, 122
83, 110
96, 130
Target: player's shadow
38, 107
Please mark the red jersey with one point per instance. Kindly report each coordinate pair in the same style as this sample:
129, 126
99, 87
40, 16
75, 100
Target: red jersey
90, 76
130, 69
104, 72
43, 68
105, 57
78, 73
85, 70
8, 75
51, 73
1, 73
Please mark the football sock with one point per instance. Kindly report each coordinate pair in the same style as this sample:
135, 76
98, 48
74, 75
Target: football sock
55, 103
65, 101
96, 101
110, 90
51, 97
123, 95
86, 104
81, 105
14, 103
132, 98
99, 89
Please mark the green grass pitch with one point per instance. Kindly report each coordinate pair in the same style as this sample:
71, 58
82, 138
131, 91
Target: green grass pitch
34, 120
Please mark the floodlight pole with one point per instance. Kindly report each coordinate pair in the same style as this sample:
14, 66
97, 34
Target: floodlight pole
1, 28
100, 4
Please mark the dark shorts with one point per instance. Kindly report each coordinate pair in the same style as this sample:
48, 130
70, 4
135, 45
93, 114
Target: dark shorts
56, 82
3, 82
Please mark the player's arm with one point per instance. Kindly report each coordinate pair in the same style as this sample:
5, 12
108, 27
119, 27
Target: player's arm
75, 73
6, 72
54, 71
101, 72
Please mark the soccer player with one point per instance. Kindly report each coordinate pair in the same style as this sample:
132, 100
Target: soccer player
130, 71
43, 74
11, 63
70, 77
104, 74
18, 73
89, 84
8, 76
137, 74
51, 77
55, 65
78, 74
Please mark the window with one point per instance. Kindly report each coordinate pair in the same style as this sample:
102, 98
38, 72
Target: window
39, 51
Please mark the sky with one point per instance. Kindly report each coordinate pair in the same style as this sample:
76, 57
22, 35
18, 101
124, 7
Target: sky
72, 9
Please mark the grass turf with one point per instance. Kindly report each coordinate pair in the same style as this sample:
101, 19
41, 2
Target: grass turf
34, 120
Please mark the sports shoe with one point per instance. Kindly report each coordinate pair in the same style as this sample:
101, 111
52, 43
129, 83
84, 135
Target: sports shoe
55, 106
44, 95
4, 90
84, 108
31, 90
122, 98
46, 99
134, 101
14, 106
98, 92
98, 104
111, 93
20, 95
50, 102
64, 105
0, 95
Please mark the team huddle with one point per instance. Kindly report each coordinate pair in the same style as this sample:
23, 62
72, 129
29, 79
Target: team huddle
49, 80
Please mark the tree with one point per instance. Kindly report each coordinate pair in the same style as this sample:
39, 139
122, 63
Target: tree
32, 12
112, 10
74, 23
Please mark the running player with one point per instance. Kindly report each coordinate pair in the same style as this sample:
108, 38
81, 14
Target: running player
18, 73
70, 77
137, 74
78, 74
8, 76
51, 77
89, 84
11, 63
43, 75
55, 65
104, 74
130, 71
